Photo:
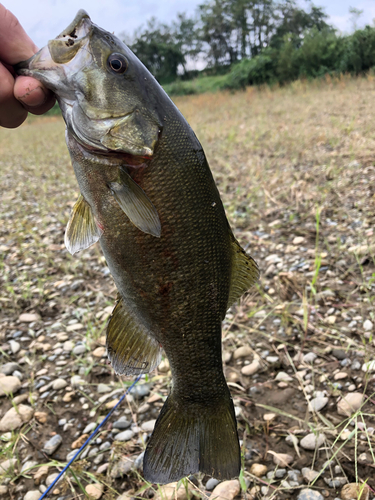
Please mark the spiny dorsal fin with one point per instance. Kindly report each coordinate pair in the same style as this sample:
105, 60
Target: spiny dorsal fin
131, 349
81, 231
245, 272
136, 204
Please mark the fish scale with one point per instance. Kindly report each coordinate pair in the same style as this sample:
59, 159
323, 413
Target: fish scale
149, 198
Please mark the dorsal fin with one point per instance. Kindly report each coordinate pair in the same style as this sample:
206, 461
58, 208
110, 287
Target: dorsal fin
131, 349
82, 230
245, 273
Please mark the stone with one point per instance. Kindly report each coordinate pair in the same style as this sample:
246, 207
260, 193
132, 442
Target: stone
336, 482
32, 495
41, 416
28, 318
9, 385
9, 368
317, 404
40, 474
121, 423
309, 474
308, 494
312, 441
140, 391
59, 384
148, 426
79, 442
103, 388
3, 490
79, 349
99, 352
297, 240
164, 366
369, 366
76, 381
122, 467
282, 459
68, 346
89, 428
74, 327
349, 404
258, 470
51, 478
125, 436
211, 483
283, 377
367, 326
16, 417
28, 466
52, 444
169, 492
355, 491
242, 352
95, 490
226, 490
268, 417
252, 368
7, 465
14, 346
340, 375
310, 357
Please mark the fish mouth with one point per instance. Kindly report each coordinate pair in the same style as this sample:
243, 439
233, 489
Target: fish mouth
58, 52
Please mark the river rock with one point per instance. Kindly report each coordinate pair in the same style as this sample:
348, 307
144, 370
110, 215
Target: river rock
28, 317
32, 495
309, 474
282, 459
312, 441
369, 366
52, 444
124, 436
355, 491
252, 368
58, 384
226, 490
95, 490
8, 465
242, 352
122, 467
317, 404
258, 470
308, 494
9, 368
9, 385
15, 418
169, 492
349, 404
148, 426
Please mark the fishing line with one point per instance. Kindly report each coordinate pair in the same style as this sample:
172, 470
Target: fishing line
45, 494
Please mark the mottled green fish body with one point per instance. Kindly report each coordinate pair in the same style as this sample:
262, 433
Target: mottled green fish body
149, 198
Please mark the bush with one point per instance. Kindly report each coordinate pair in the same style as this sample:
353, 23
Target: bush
255, 71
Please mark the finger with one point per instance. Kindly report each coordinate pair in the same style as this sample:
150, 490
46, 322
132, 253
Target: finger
15, 44
12, 113
36, 98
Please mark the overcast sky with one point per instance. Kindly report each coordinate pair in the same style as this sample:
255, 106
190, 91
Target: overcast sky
45, 19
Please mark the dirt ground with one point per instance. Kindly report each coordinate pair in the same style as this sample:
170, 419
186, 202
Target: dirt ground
296, 170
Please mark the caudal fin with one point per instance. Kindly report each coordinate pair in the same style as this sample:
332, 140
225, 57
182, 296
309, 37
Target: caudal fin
187, 440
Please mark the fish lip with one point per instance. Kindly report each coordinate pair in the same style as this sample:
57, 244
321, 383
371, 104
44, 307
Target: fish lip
71, 29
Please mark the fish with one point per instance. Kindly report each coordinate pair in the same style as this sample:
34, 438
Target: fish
147, 195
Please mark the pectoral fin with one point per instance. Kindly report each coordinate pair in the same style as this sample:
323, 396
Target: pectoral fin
131, 349
81, 231
136, 204
245, 272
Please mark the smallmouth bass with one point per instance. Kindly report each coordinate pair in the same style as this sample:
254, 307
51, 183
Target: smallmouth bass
149, 198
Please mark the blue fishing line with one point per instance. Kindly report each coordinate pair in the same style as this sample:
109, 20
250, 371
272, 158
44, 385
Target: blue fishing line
44, 495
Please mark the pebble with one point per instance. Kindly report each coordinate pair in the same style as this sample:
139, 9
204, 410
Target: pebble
9, 368
369, 366
50, 479
242, 352
356, 491
58, 384
3, 490
121, 423
310, 357
103, 388
141, 391
252, 368
76, 381
282, 459
99, 352
340, 376
148, 426
68, 346
52, 444
7, 465
9, 385
309, 474
28, 465
15, 418
79, 349
164, 366
14, 346
28, 317
211, 483
89, 428
258, 470
32, 495
122, 467
339, 354
308, 494
40, 474
125, 436
317, 404
368, 325
312, 441
226, 490
336, 482
356, 365
349, 404
283, 377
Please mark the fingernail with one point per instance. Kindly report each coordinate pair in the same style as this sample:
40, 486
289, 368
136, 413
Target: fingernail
26, 96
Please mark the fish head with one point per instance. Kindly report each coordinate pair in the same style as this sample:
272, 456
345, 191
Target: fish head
107, 97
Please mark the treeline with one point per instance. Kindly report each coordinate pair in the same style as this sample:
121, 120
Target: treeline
252, 42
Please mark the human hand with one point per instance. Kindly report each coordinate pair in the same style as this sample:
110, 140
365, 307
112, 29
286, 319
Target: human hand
18, 94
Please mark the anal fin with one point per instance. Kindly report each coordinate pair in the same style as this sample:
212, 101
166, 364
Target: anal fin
136, 204
245, 272
82, 230
131, 349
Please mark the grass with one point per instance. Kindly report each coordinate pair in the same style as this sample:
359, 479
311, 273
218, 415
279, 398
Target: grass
289, 162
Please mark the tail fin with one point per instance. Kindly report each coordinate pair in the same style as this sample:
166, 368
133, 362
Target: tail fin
187, 440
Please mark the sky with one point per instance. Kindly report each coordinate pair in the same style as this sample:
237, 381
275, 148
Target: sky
45, 19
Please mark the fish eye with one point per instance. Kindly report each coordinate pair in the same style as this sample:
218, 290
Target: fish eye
117, 63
